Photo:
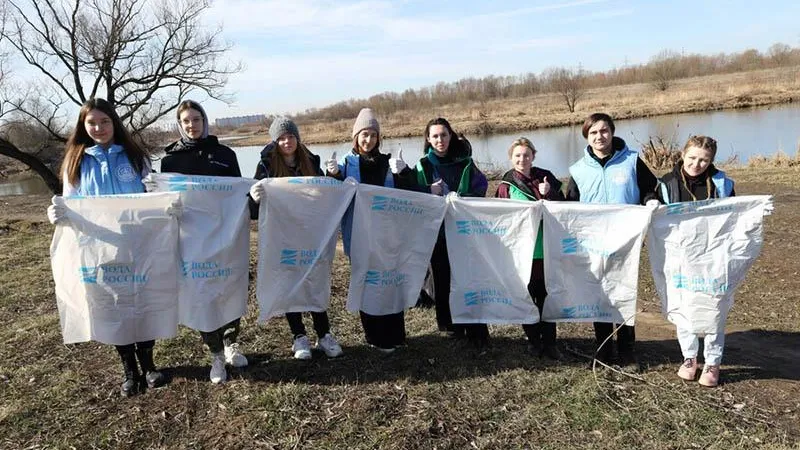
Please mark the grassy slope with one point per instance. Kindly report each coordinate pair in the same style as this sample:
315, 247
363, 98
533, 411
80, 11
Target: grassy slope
435, 393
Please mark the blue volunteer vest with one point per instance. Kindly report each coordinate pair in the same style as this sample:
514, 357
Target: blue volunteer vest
614, 183
722, 184
349, 167
108, 172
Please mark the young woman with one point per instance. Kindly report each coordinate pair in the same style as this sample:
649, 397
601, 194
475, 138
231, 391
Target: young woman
368, 165
288, 157
198, 153
448, 166
695, 178
527, 182
102, 159
610, 173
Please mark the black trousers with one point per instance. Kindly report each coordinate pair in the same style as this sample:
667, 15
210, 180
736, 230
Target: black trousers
216, 340
543, 332
130, 348
385, 331
322, 325
626, 338
440, 264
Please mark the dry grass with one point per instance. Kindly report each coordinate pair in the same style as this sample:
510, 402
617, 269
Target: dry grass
434, 393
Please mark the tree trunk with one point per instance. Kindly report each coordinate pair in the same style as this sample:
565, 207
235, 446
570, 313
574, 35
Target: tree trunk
10, 150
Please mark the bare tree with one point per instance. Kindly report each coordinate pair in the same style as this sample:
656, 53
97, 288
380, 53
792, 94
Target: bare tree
143, 56
568, 83
664, 67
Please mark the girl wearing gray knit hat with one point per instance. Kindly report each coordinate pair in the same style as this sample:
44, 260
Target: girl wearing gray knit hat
287, 157
368, 165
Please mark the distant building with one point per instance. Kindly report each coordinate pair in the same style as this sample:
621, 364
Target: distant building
239, 121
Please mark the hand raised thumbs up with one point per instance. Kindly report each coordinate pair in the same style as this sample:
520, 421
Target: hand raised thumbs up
331, 166
397, 165
544, 187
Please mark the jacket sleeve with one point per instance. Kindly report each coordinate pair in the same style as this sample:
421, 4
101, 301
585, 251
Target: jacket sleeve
478, 184
646, 181
573, 194
407, 180
502, 191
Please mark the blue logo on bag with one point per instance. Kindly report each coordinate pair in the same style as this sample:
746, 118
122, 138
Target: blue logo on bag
396, 205
373, 278
486, 297
111, 274
569, 246
298, 256
385, 278
319, 181
474, 227
585, 311
204, 269
295, 181
692, 207
700, 284
89, 274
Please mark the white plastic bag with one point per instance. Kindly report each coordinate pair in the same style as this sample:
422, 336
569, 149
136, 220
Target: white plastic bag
700, 253
297, 225
394, 232
214, 246
591, 261
490, 245
115, 265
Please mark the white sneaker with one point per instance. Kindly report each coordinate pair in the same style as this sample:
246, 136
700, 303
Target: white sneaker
329, 345
218, 373
301, 348
234, 357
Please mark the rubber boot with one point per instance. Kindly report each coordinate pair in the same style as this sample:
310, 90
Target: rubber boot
130, 383
153, 377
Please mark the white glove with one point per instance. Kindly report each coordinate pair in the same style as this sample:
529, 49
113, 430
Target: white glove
331, 166
544, 187
652, 203
397, 164
257, 192
57, 212
437, 188
175, 209
149, 184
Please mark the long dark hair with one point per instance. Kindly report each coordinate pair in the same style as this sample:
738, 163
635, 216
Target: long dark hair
302, 156
458, 146
79, 140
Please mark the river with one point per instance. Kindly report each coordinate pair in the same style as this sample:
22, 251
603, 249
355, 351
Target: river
742, 133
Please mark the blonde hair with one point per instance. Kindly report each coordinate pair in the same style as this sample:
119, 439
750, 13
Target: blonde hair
523, 141
705, 143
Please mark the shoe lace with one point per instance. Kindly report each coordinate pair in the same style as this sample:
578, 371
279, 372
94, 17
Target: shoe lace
233, 348
711, 369
688, 363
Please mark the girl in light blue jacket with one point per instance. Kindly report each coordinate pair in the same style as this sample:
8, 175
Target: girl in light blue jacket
102, 159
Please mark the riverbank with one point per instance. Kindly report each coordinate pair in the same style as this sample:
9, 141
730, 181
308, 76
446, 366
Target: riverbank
433, 393
700, 94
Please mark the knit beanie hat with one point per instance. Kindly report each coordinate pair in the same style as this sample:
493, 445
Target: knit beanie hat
196, 106
366, 119
281, 126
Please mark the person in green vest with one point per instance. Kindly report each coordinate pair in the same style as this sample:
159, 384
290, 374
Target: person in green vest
527, 182
447, 166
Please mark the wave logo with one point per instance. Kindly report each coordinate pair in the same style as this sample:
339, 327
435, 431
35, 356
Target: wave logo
373, 278
296, 181
700, 284
569, 313
463, 227
318, 181
289, 257
88, 274
379, 203
679, 208
185, 268
471, 298
569, 246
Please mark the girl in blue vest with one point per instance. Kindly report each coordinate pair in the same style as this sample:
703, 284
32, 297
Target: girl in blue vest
366, 164
199, 153
102, 159
695, 178
448, 166
527, 182
286, 156
610, 173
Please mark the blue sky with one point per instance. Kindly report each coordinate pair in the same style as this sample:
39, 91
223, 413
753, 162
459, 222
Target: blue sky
311, 53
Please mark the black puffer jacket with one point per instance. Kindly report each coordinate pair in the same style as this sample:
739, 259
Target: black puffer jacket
263, 170
203, 157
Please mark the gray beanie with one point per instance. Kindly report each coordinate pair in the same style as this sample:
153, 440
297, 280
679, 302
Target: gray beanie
366, 119
281, 126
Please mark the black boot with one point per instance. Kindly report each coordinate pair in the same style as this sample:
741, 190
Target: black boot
153, 377
130, 384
